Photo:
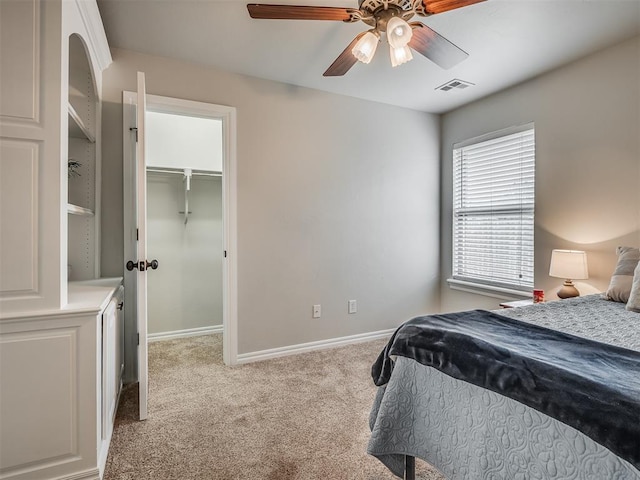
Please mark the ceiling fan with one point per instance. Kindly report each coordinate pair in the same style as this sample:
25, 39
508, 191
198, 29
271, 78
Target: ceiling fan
390, 16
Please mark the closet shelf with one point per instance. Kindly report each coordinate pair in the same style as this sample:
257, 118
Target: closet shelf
77, 128
76, 210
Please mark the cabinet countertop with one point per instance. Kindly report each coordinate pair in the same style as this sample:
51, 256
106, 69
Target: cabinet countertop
91, 294
84, 297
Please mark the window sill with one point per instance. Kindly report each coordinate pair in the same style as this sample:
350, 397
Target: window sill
487, 290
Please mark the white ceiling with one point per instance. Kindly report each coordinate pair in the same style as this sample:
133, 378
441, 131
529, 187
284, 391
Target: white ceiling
508, 41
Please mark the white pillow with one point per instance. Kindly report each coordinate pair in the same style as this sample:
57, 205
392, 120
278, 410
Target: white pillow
634, 297
620, 285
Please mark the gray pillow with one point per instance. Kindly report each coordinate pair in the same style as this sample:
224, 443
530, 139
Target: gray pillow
634, 298
620, 286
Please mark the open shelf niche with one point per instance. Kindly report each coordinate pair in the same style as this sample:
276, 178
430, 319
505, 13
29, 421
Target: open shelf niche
82, 181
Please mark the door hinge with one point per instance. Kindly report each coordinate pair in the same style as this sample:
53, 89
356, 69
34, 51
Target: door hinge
225, 254
137, 339
137, 235
134, 129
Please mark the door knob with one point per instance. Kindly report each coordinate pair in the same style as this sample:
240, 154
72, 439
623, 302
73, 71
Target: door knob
153, 264
142, 265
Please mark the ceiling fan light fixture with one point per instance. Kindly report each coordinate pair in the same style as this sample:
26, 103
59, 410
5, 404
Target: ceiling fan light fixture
365, 48
398, 32
400, 55
382, 16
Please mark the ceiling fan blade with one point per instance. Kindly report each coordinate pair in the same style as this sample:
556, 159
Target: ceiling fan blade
345, 60
439, 6
298, 12
435, 47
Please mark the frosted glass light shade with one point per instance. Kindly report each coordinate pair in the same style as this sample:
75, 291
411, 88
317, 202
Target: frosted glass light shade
400, 55
569, 264
365, 48
398, 32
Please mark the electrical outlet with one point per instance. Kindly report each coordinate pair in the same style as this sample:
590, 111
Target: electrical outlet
317, 311
353, 306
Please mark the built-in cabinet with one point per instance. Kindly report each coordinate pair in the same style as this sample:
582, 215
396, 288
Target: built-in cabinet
52, 54
61, 379
60, 326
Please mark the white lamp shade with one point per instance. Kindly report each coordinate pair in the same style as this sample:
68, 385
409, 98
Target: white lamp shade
400, 55
399, 32
365, 48
569, 264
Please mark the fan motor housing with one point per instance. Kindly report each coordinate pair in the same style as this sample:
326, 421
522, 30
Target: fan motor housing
382, 11
372, 5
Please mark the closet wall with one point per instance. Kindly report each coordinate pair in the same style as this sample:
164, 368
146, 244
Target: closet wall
185, 292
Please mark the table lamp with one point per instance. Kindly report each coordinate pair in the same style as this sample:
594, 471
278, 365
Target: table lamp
570, 265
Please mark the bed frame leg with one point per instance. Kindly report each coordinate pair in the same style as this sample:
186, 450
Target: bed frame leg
409, 467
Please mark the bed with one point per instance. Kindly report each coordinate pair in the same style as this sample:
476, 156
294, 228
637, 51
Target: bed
470, 432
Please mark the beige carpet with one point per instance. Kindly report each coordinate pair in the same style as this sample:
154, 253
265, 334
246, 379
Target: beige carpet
299, 417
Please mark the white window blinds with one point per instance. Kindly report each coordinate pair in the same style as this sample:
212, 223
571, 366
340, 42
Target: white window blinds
493, 208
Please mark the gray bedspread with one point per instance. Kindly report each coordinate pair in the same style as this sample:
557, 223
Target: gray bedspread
468, 432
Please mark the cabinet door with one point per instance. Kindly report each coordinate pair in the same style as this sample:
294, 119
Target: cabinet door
119, 340
110, 367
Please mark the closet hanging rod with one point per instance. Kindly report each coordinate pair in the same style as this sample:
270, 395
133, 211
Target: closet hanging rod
180, 171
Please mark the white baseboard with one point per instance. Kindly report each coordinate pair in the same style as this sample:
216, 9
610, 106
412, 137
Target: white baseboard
311, 346
189, 332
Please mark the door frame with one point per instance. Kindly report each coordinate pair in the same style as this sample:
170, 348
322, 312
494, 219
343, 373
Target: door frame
227, 115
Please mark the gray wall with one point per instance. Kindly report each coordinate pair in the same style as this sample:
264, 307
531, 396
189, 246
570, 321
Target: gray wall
587, 120
338, 199
186, 292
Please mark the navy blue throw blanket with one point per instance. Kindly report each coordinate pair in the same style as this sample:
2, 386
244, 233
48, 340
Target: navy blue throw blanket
591, 386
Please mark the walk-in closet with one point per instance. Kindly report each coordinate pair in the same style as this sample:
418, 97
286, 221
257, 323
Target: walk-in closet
184, 225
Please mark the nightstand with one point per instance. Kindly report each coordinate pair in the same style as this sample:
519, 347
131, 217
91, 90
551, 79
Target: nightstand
517, 303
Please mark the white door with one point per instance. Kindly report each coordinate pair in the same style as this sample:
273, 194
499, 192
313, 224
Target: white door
137, 265
135, 285
141, 214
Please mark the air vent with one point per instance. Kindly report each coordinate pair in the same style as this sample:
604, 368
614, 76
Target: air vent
454, 84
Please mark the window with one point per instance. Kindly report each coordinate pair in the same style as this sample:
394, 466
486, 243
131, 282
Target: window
493, 209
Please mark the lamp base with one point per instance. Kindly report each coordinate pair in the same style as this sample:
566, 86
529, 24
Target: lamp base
568, 290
